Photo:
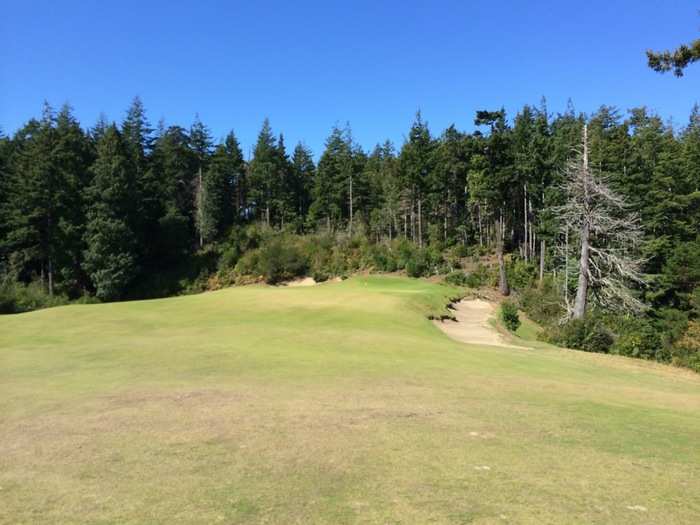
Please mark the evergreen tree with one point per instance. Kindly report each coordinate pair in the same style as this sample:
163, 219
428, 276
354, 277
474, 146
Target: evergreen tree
174, 171
138, 135
219, 189
448, 184
201, 144
263, 181
4, 199
72, 157
110, 256
676, 60
416, 165
303, 171
492, 183
330, 182
43, 210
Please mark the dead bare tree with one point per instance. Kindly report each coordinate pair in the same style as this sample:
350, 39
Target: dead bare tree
607, 234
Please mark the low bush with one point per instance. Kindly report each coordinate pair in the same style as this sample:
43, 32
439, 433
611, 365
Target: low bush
521, 274
18, 297
456, 278
278, 259
644, 343
542, 304
509, 315
686, 351
479, 277
417, 265
588, 334
281, 260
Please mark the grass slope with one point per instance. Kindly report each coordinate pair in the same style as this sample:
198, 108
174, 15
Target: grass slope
333, 404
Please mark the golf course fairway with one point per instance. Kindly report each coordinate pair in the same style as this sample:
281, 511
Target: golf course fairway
337, 403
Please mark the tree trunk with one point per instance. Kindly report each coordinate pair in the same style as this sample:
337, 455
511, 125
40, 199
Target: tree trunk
566, 266
350, 226
542, 250
526, 239
50, 276
447, 210
582, 289
200, 210
502, 278
420, 224
481, 233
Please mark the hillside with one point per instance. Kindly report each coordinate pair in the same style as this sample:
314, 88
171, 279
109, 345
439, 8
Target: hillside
336, 403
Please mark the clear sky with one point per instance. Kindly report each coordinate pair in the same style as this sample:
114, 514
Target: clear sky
309, 65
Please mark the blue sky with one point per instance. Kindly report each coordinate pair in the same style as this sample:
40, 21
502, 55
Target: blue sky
309, 65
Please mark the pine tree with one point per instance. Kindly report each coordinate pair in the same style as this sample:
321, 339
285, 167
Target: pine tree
43, 210
492, 185
448, 182
416, 165
676, 60
330, 182
219, 206
303, 171
4, 199
173, 168
201, 144
263, 182
72, 157
110, 256
137, 135
284, 200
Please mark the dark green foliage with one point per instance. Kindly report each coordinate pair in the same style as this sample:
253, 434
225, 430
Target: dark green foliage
676, 60
457, 278
417, 266
521, 274
279, 259
481, 276
639, 338
16, 298
686, 351
110, 255
589, 334
542, 304
221, 190
509, 315
138, 212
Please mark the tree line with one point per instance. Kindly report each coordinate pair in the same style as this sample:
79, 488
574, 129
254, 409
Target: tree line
93, 211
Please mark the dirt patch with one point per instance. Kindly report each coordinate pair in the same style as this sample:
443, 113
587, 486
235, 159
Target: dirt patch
472, 324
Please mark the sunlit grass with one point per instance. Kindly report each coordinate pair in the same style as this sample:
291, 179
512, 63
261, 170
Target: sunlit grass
338, 403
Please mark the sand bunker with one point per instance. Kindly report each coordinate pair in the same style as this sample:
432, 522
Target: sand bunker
472, 325
306, 281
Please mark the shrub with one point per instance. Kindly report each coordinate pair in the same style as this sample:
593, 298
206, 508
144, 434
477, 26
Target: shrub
686, 351
509, 315
542, 304
278, 259
478, 277
587, 334
521, 274
416, 266
456, 278
644, 342
18, 297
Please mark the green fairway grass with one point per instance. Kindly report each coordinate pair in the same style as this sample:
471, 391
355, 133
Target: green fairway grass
338, 403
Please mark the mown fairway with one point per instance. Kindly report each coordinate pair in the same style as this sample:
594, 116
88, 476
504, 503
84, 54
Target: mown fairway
338, 403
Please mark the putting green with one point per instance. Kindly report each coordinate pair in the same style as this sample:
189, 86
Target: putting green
337, 403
